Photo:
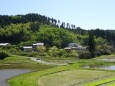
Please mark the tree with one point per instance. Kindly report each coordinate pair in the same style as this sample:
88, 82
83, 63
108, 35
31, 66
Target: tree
3, 55
56, 37
91, 45
35, 26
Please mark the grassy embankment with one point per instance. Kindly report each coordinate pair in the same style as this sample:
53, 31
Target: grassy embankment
21, 62
65, 75
17, 60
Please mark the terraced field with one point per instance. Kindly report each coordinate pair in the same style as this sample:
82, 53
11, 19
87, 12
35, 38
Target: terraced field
74, 77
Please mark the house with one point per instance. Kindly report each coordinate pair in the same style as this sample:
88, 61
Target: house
27, 48
37, 44
32, 47
67, 49
4, 44
74, 46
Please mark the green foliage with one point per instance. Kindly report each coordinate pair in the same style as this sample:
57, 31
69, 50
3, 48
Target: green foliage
91, 45
3, 55
83, 40
56, 37
16, 33
100, 41
84, 55
41, 50
31, 28
103, 82
74, 53
37, 20
61, 53
35, 26
53, 51
104, 49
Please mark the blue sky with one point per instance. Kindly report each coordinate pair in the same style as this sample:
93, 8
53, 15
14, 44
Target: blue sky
87, 14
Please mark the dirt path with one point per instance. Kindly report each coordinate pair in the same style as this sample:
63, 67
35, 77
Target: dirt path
43, 62
39, 60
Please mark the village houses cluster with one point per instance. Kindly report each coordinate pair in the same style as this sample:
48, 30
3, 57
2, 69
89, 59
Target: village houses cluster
33, 47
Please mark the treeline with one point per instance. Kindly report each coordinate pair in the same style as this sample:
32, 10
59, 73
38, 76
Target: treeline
109, 35
32, 17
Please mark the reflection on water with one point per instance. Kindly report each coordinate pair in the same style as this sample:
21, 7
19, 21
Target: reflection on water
8, 71
111, 67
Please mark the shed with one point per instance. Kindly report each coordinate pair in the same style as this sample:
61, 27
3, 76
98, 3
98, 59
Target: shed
27, 48
37, 44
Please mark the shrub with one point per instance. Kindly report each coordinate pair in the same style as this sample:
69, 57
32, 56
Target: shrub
53, 51
3, 55
73, 53
84, 55
61, 52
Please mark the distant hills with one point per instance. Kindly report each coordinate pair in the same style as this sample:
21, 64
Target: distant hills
37, 21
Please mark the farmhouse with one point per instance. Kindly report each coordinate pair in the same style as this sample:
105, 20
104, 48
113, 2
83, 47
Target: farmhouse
33, 47
74, 46
67, 49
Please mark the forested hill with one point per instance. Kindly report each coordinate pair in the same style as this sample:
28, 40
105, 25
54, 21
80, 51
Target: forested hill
28, 21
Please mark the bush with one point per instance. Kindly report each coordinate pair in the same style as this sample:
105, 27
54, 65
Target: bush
73, 53
84, 55
3, 55
61, 53
53, 51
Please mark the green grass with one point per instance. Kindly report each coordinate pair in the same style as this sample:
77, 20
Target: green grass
17, 60
58, 60
14, 62
70, 75
106, 57
30, 79
102, 82
74, 77
113, 84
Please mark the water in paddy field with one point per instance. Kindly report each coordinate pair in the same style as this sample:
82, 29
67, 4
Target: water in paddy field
9, 71
6, 74
111, 67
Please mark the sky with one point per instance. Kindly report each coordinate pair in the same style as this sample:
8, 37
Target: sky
87, 14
